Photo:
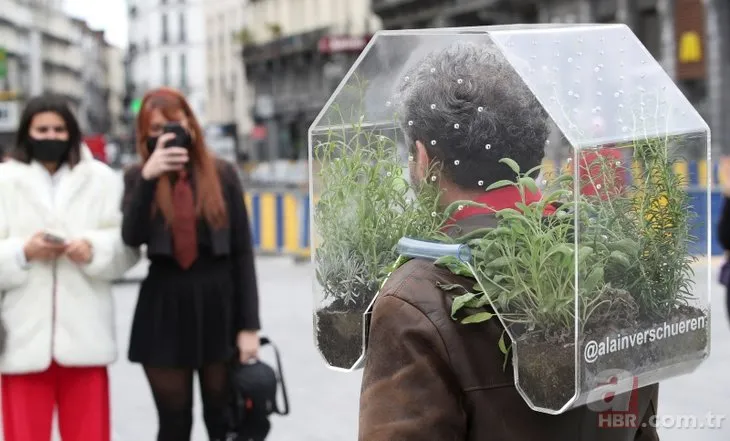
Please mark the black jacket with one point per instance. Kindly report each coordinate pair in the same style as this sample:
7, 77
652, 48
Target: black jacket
140, 227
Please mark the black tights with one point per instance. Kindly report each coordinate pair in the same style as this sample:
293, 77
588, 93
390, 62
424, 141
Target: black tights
173, 393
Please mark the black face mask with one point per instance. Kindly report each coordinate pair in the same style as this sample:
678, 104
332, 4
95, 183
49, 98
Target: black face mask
48, 150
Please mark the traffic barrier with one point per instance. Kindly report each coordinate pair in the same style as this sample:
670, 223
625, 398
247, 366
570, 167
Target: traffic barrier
695, 174
277, 222
280, 220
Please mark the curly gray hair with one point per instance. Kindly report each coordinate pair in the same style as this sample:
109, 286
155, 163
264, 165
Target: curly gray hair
470, 109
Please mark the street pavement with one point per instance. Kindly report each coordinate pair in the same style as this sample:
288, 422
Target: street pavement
324, 403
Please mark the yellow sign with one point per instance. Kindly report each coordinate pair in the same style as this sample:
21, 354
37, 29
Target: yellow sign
690, 48
8, 95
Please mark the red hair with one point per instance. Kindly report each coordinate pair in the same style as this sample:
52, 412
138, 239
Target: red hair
210, 202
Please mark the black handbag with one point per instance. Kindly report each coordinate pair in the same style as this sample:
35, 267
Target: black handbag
254, 388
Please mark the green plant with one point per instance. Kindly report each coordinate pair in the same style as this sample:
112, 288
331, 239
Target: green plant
365, 208
526, 266
631, 254
244, 36
275, 29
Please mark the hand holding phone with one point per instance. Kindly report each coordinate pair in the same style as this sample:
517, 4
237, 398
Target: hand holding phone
165, 159
54, 239
43, 246
182, 137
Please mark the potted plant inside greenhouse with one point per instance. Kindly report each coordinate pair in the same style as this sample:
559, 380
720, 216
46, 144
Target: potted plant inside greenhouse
595, 275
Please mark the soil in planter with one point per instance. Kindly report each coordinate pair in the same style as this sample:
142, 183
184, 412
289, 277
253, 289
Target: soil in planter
339, 336
546, 368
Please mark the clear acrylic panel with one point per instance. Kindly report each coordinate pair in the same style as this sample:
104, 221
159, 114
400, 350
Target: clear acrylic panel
594, 268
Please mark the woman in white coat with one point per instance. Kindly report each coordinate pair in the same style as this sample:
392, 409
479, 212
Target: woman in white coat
60, 250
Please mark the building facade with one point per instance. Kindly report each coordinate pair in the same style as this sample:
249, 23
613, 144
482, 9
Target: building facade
167, 48
295, 53
94, 113
116, 82
688, 37
225, 85
39, 52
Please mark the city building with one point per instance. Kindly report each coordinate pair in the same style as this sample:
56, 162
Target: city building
116, 82
295, 53
225, 85
167, 48
688, 37
39, 52
94, 113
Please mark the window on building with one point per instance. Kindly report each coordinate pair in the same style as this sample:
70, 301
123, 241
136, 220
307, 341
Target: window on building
183, 71
164, 28
181, 21
165, 70
648, 29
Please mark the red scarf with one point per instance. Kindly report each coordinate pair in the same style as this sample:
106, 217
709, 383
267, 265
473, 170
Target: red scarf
499, 199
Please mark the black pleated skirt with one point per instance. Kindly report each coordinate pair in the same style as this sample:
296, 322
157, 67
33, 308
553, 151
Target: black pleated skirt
184, 319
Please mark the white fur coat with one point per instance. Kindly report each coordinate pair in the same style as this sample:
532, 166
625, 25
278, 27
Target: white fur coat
73, 323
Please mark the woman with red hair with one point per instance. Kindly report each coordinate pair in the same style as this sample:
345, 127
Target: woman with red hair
199, 302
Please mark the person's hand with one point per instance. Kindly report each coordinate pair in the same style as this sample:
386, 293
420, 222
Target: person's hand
725, 176
163, 160
79, 251
37, 248
248, 346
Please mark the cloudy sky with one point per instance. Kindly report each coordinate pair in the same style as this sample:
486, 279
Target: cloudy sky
109, 15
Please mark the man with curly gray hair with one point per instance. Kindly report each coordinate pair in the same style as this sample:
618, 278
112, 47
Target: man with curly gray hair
428, 377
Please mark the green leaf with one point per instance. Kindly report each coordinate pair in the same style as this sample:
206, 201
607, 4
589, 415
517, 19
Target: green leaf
626, 246
529, 183
502, 345
511, 164
620, 258
584, 253
461, 302
477, 318
595, 277
446, 287
555, 195
499, 262
500, 184
561, 248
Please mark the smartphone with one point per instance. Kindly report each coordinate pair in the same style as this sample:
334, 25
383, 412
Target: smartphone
182, 138
48, 237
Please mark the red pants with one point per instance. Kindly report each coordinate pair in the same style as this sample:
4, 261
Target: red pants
81, 396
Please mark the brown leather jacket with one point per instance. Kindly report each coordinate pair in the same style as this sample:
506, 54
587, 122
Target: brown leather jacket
430, 378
